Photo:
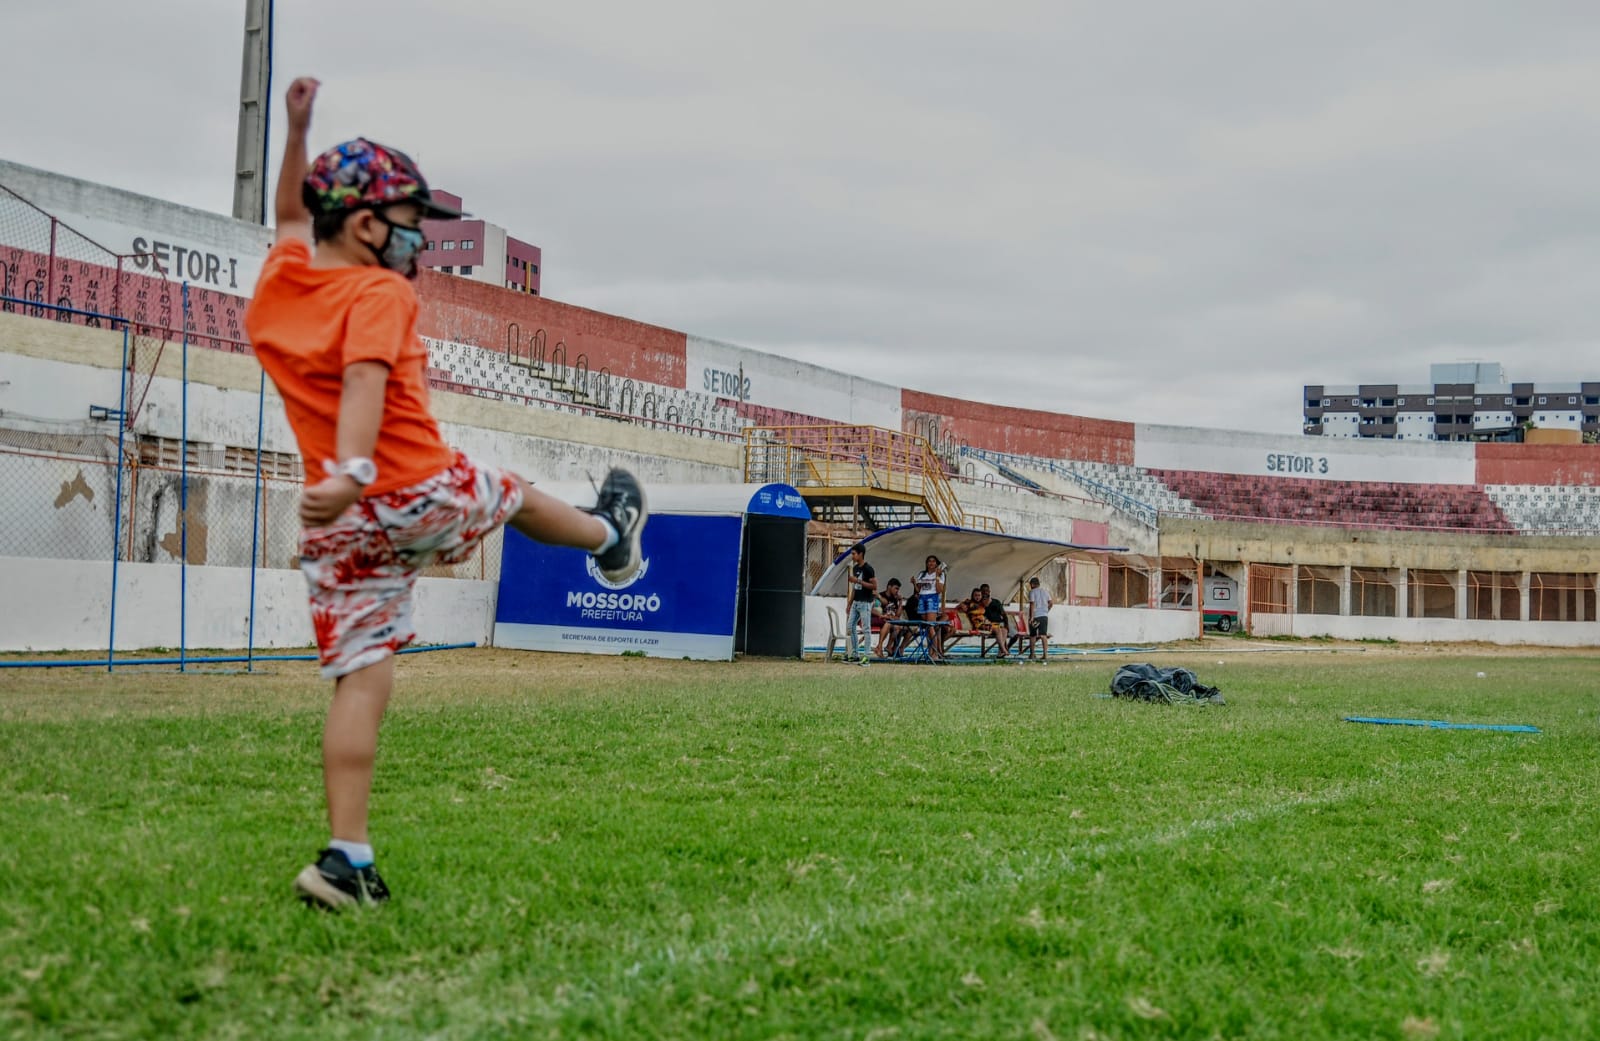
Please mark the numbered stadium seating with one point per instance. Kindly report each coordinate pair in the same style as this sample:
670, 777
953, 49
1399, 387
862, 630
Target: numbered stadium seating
1548, 508
1363, 504
481, 372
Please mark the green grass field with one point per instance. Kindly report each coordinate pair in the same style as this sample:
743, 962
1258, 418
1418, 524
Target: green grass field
586, 847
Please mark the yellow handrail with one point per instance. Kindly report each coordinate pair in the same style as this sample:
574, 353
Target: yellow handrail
843, 455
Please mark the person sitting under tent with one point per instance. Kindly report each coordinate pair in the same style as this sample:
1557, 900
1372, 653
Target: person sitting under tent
890, 608
974, 612
994, 620
972, 607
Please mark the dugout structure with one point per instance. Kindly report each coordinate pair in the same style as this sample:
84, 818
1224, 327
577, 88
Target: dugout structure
723, 574
971, 558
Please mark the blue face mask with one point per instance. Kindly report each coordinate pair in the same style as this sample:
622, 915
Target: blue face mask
400, 252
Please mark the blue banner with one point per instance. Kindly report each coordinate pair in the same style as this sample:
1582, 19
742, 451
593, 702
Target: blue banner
681, 602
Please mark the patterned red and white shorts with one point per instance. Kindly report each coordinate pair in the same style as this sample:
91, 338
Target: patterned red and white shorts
361, 568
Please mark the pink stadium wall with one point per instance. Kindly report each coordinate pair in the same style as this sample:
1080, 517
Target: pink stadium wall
481, 314
1001, 428
216, 319
1538, 464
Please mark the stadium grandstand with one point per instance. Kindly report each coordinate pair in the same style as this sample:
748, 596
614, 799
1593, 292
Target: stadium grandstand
129, 402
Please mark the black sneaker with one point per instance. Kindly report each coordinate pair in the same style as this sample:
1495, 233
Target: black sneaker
621, 501
331, 883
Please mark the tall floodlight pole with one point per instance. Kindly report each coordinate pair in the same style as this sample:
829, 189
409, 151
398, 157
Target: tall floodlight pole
250, 169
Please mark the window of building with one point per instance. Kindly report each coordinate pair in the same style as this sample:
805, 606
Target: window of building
1508, 401
533, 269
448, 244
1572, 401
1430, 401
467, 243
1542, 399
429, 244
466, 269
447, 269
1477, 401
1386, 402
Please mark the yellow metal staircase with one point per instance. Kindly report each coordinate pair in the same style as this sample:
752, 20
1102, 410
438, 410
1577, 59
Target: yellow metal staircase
862, 477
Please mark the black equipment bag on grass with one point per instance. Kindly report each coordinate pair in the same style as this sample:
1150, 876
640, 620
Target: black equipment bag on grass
1172, 686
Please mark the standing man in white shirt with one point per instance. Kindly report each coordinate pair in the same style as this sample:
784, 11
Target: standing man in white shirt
1039, 604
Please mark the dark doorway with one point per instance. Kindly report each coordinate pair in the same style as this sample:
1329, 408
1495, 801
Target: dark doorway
772, 574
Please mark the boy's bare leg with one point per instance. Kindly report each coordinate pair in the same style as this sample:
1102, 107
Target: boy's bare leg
350, 744
551, 521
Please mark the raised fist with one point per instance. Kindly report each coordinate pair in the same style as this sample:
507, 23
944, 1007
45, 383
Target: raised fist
302, 92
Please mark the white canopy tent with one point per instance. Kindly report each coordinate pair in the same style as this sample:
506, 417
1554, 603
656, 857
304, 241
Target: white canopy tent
971, 558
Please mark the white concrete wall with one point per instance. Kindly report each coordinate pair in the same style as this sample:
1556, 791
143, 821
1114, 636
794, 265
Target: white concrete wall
1119, 626
541, 459
57, 391
1569, 418
71, 608
55, 396
230, 252
1021, 512
493, 269
1429, 630
714, 368
816, 618
62, 392
1274, 455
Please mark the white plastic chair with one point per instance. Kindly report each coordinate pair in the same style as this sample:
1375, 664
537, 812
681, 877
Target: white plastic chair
835, 632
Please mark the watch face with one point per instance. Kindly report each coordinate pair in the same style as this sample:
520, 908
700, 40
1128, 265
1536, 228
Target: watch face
362, 471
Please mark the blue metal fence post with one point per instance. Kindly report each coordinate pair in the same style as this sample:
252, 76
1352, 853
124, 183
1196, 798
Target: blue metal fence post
255, 525
116, 508
183, 497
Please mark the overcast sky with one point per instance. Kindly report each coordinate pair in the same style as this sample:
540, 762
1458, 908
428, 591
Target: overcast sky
1178, 211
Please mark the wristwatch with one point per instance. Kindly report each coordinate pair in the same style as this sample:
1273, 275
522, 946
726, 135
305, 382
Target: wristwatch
361, 470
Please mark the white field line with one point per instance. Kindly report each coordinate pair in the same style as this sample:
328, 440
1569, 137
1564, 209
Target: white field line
790, 935
1074, 858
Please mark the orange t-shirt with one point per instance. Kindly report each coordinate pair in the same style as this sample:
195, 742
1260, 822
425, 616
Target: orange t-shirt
308, 323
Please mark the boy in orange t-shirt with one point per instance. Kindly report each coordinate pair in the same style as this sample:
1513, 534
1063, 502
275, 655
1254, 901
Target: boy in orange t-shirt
334, 323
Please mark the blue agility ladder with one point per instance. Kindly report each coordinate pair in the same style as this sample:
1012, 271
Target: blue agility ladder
1439, 724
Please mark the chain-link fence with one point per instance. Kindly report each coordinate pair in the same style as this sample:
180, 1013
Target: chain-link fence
105, 487
50, 270
61, 487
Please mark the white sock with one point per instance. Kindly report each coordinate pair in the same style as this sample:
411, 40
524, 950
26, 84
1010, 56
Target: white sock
358, 853
612, 538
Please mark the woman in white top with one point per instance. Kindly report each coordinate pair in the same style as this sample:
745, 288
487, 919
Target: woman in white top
929, 584
930, 588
